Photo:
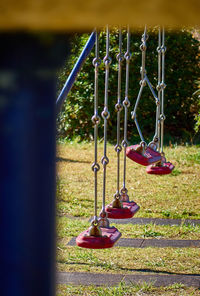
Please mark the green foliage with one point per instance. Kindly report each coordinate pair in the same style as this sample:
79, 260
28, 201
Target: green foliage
197, 117
175, 172
149, 231
182, 70
197, 125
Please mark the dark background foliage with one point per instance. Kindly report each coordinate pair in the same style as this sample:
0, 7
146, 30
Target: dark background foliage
181, 74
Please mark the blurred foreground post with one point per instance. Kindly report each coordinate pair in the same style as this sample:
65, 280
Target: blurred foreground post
28, 64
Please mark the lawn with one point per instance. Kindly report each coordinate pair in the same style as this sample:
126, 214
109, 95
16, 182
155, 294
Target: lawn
141, 289
173, 196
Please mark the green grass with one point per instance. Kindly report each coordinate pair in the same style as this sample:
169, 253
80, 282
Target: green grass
129, 260
172, 196
195, 158
68, 228
141, 289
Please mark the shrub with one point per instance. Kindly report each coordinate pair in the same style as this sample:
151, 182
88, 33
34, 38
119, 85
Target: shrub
181, 72
197, 117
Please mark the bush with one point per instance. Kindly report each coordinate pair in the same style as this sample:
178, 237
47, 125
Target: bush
181, 72
196, 95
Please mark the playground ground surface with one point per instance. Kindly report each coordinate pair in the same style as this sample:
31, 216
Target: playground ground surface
175, 196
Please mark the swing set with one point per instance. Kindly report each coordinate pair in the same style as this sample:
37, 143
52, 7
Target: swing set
100, 234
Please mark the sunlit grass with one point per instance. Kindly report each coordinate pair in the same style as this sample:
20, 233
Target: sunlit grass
171, 196
68, 228
129, 260
140, 289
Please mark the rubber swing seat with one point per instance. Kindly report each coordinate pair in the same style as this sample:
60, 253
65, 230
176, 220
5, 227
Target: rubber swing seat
127, 211
150, 156
109, 237
165, 169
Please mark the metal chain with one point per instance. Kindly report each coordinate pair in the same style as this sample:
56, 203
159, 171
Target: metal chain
126, 104
105, 115
157, 132
118, 108
96, 121
143, 48
144, 81
163, 86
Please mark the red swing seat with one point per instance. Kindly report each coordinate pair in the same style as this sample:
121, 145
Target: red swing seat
150, 156
109, 237
164, 169
127, 211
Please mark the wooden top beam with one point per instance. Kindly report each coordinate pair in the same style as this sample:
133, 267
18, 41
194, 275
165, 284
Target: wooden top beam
79, 15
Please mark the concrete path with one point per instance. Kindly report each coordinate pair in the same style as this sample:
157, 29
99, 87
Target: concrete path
144, 243
156, 221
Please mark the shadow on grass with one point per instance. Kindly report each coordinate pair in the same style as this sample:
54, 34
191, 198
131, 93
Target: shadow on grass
159, 271
143, 270
70, 160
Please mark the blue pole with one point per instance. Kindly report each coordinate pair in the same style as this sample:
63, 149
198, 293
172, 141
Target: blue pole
28, 67
72, 77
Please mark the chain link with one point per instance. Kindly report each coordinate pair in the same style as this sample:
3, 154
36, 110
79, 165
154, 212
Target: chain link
157, 130
118, 108
126, 104
143, 48
105, 114
163, 86
143, 82
160, 117
96, 121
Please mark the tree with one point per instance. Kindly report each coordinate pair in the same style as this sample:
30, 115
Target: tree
182, 70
